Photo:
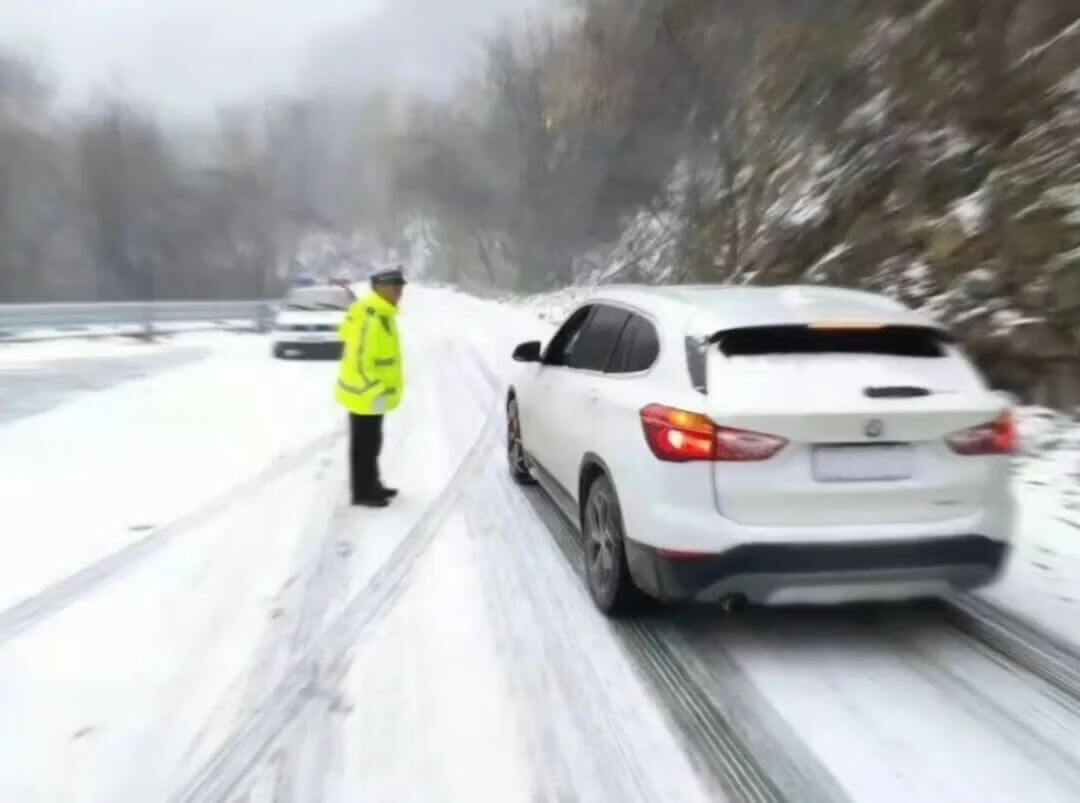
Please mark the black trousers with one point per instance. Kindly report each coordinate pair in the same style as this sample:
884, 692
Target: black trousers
365, 443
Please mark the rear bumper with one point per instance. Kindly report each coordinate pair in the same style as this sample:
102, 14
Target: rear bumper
778, 573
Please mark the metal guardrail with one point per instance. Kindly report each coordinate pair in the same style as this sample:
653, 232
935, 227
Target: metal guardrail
23, 320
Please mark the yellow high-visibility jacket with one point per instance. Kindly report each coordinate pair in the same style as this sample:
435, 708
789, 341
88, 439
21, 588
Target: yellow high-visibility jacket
371, 380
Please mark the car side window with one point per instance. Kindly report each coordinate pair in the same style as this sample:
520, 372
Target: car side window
562, 344
620, 358
593, 349
637, 349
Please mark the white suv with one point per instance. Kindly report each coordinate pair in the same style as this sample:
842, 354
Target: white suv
773, 444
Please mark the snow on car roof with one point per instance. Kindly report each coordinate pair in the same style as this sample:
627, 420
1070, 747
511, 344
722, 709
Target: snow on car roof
711, 308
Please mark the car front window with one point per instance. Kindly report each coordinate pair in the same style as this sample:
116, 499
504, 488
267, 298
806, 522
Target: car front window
562, 344
319, 298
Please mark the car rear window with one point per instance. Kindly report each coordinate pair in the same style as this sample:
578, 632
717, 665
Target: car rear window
895, 341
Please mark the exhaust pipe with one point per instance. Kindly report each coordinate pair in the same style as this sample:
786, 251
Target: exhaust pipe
734, 604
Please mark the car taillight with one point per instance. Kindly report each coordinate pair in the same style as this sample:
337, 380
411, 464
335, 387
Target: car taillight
996, 437
681, 436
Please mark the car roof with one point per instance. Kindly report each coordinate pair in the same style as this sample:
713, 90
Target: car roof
712, 308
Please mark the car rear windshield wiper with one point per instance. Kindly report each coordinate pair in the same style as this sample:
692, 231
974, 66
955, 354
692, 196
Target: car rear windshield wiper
299, 307
895, 392
327, 305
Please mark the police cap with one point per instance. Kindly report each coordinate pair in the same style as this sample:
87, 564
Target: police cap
388, 276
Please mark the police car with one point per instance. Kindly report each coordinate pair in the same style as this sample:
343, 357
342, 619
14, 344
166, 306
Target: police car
309, 318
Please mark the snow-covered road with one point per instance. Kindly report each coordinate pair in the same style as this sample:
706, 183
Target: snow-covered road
189, 610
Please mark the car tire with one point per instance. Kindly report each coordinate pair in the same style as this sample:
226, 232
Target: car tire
607, 573
279, 351
515, 451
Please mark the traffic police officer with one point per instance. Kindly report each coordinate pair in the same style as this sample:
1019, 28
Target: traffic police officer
371, 381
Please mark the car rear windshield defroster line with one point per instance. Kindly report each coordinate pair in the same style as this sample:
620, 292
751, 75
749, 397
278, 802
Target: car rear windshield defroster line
896, 341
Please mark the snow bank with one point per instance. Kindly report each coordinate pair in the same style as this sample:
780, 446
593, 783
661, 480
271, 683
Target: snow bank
554, 307
115, 332
1042, 584
86, 478
1050, 455
49, 350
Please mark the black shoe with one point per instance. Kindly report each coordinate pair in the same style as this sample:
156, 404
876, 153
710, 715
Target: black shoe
371, 501
389, 493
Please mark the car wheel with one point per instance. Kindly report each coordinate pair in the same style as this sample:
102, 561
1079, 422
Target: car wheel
279, 351
606, 571
515, 452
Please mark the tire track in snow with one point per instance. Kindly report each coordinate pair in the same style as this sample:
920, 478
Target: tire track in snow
1043, 656
293, 719
326, 587
777, 746
325, 663
711, 737
63, 593
305, 758
575, 745
993, 692
297, 613
718, 747
303, 770
246, 688
956, 701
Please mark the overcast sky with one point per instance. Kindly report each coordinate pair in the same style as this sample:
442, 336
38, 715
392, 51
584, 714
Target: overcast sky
185, 56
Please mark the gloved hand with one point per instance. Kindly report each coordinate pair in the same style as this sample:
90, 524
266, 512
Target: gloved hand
381, 403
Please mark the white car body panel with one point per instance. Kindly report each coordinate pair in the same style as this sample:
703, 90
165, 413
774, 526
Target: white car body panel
816, 400
319, 326
569, 417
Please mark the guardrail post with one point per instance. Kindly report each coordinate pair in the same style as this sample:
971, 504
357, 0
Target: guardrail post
148, 321
263, 317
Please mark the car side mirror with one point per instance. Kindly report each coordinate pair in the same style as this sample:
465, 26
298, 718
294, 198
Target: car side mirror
528, 352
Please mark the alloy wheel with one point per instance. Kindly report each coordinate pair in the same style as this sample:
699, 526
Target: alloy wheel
515, 451
601, 543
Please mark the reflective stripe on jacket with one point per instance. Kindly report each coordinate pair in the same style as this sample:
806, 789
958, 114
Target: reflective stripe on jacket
371, 366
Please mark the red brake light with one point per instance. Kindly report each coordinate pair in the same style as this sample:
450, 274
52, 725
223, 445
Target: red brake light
677, 435
998, 437
681, 436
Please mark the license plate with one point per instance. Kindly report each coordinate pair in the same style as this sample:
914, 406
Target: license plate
863, 463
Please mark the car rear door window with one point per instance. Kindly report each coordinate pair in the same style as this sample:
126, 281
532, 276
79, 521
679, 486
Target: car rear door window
593, 348
637, 349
